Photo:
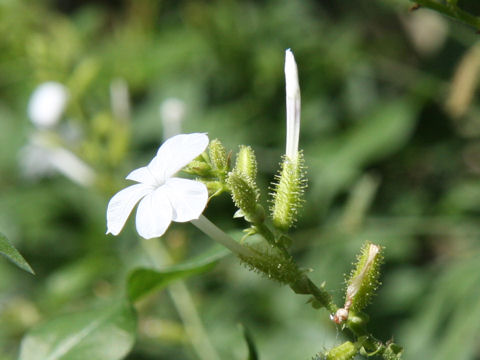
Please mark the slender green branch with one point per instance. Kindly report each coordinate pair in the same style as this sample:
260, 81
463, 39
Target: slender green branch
184, 304
451, 10
217, 234
302, 285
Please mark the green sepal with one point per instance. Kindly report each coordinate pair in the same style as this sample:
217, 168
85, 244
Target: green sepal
364, 278
287, 192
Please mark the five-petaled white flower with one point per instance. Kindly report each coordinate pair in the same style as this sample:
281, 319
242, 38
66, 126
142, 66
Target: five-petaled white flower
162, 196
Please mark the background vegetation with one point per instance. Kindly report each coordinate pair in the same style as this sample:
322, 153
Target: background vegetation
390, 130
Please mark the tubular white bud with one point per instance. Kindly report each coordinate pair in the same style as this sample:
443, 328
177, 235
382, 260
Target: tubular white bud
292, 89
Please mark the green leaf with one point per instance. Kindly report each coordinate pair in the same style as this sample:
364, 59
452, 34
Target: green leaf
12, 254
252, 348
106, 333
143, 281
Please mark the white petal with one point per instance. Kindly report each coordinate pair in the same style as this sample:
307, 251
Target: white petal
142, 175
188, 198
121, 205
177, 152
293, 105
47, 103
154, 214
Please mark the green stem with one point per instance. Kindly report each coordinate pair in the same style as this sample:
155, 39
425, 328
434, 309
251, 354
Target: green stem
451, 10
302, 286
217, 234
268, 235
184, 304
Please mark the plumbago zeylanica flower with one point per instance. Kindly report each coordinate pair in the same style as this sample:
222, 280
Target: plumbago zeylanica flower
265, 246
163, 197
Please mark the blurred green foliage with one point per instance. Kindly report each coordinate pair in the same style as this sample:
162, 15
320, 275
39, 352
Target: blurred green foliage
390, 131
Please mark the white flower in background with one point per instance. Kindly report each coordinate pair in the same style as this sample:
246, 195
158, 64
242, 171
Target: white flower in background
172, 112
47, 104
43, 156
163, 197
293, 105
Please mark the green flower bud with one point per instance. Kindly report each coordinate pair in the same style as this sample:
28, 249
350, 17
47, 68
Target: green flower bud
245, 195
287, 193
218, 157
345, 351
246, 163
363, 281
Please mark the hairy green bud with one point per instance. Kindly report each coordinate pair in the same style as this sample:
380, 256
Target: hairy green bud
218, 157
363, 281
287, 192
246, 163
245, 195
345, 351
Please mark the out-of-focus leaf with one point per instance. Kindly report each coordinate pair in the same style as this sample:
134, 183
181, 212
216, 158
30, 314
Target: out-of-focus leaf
447, 322
106, 333
12, 254
143, 281
341, 160
252, 348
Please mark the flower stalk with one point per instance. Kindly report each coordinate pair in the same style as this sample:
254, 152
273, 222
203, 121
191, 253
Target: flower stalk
451, 10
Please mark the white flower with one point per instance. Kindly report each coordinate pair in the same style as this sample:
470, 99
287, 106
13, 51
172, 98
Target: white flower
42, 156
293, 105
162, 196
47, 104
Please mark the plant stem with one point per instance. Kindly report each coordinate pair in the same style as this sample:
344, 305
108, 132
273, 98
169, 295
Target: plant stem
302, 286
451, 10
184, 304
217, 234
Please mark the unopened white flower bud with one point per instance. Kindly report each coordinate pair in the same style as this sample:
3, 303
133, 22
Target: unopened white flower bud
292, 89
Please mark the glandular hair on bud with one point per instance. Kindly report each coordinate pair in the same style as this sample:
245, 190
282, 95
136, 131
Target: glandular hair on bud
272, 265
246, 163
287, 192
345, 351
245, 194
218, 156
364, 278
